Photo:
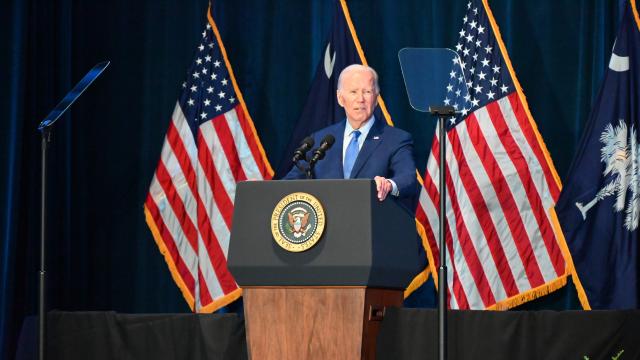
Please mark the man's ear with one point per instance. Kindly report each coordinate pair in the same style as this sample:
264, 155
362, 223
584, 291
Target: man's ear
339, 96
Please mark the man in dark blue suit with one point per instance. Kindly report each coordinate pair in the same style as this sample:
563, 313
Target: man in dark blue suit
366, 147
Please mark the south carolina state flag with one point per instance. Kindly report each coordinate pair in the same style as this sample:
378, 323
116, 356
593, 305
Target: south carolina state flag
599, 207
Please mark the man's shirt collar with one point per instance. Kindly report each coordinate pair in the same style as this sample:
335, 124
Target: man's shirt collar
364, 129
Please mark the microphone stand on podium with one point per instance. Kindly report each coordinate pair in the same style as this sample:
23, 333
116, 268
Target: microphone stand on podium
46, 129
427, 74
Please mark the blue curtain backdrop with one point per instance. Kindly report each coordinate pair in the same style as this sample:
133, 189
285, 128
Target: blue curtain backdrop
101, 255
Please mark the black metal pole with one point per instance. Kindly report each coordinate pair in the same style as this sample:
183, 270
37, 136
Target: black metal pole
42, 323
442, 270
45, 131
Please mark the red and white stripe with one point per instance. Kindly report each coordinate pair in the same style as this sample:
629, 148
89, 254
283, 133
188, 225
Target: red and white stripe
192, 193
500, 238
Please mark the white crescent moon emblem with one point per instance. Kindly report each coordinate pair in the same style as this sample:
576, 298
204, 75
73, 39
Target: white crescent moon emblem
328, 61
619, 63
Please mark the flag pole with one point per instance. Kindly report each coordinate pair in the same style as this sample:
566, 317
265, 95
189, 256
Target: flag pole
442, 113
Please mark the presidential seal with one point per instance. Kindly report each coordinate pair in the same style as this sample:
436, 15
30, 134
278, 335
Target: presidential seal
297, 222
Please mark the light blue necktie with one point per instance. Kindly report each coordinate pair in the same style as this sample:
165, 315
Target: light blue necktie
351, 154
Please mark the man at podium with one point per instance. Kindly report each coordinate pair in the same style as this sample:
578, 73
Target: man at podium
365, 147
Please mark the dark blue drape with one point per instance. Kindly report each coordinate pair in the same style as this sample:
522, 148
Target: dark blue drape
101, 255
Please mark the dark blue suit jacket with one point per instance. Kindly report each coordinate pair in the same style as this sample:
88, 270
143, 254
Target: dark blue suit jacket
387, 151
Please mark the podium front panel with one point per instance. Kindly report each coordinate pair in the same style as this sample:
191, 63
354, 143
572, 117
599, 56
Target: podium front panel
365, 242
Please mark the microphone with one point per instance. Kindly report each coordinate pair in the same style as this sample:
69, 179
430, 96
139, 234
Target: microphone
305, 146
325, 145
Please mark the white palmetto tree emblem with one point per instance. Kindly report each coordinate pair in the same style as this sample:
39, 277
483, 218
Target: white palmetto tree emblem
620, 154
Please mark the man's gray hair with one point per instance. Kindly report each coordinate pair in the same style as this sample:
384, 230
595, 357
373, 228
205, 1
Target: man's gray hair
359, 67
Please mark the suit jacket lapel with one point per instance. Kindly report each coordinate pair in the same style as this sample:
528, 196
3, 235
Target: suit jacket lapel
374, 138
335, 156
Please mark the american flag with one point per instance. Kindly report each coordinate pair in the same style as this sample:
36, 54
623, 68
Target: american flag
503, 246
210, 145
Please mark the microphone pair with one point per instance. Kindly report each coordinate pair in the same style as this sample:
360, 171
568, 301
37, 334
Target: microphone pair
318, 154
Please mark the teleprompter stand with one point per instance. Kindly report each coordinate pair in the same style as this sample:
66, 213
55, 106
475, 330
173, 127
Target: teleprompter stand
430, 76
46, 130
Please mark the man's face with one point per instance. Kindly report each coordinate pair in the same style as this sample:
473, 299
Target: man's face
358, 96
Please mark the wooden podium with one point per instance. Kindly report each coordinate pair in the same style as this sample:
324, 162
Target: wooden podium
326, 302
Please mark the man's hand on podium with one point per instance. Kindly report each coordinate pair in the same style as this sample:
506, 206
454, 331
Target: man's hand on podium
384, 187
